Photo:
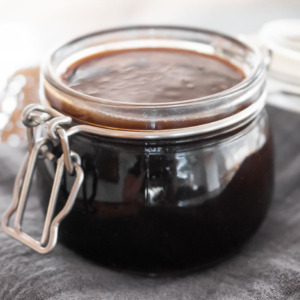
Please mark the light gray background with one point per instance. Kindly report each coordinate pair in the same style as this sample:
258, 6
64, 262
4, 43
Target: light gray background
28, 29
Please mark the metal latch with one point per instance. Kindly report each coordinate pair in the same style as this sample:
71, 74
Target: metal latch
69, 161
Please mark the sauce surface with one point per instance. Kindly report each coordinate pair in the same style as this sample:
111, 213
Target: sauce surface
151, 75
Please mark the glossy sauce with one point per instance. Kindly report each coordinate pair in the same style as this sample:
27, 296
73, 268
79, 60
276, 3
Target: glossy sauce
120, 83
151, 76
167, 206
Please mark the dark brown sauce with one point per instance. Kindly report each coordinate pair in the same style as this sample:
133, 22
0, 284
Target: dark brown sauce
146, 81
152, 75
167, 206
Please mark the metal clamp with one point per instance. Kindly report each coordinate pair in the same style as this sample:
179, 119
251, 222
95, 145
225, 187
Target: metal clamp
69, 161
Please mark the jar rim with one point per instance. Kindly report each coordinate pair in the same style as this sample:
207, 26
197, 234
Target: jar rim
202, 110
48, 71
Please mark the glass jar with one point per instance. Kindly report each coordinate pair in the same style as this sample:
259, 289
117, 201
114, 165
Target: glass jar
167, 187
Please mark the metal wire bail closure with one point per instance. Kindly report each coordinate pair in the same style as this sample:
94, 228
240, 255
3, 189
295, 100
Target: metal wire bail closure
68, 161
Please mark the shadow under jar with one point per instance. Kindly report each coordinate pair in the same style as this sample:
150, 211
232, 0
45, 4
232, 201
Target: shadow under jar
178, 162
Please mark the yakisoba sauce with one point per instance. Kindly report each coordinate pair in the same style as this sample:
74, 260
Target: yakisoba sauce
144, 77
151, 75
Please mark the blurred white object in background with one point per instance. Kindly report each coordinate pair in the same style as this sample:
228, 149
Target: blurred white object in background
282, 39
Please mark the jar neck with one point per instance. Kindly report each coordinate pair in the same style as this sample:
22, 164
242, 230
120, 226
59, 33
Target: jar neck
222, 111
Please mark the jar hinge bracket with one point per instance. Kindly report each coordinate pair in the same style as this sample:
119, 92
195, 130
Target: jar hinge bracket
34, 117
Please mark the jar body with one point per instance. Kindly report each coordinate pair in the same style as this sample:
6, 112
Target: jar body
167, 205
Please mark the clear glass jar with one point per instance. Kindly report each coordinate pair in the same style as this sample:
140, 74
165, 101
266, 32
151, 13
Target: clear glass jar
167, 187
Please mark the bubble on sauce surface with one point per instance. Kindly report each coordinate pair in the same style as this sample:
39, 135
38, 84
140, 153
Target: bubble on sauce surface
151, 76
